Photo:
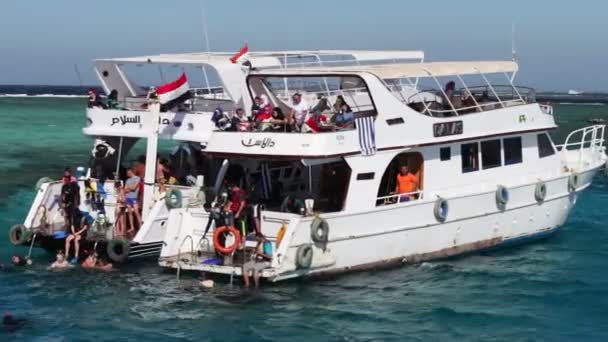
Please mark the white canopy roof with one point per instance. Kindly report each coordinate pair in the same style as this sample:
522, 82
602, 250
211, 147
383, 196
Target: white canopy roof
263, 59
402, 70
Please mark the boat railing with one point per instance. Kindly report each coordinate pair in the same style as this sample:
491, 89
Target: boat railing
394, 198
591, 138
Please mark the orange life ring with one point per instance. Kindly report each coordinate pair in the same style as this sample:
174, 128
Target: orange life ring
226, 249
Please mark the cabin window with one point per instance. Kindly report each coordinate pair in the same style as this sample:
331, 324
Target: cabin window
490, 154
387, 192
445, 153
365, 176
512, 148
470, 157
545, 148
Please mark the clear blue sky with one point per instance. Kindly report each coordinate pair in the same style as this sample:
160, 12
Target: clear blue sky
560, 46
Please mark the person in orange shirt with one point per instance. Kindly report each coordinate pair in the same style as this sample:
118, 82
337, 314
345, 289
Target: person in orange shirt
407, 183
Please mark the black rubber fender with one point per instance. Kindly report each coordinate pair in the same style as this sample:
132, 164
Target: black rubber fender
319, 230
304, 256
173, 198
18, 234
118, 250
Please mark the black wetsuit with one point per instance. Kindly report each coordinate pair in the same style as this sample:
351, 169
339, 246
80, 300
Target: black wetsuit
11, 324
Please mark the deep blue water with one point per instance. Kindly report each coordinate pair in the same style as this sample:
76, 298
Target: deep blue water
552, 290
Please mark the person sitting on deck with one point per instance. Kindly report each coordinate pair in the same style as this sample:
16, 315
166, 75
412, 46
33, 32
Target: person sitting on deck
278, 121
239, 122
322, 104
78, 230
299, 112
344, 115
450, 99
316, 123
292, 204
132, 191
260, 260
407, 184
112, 100
94, 101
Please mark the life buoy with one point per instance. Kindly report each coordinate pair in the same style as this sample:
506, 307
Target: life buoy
502, 195
540, 192
18, 234
226, 249
42, 181
118, 250
441, 209
304, 256
573, 182
281, 234
319, 230
173, 198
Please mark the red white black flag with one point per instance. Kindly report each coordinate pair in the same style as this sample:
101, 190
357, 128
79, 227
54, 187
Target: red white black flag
242, 56
175, 91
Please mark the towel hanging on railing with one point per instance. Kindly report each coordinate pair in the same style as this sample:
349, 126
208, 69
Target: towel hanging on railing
367, 135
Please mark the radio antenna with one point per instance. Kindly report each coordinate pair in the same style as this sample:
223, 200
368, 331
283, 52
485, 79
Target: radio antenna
78, 74
206, 34
513, 47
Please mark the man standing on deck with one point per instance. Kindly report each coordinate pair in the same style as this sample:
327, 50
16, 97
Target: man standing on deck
132, 191
407, 183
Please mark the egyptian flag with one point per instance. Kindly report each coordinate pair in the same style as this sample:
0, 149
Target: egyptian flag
242, 57
171, 94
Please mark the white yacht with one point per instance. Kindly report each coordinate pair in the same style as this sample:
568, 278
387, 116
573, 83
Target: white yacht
187, 127
487, 171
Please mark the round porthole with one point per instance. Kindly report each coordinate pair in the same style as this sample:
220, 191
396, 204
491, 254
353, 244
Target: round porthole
105, 73
190, 126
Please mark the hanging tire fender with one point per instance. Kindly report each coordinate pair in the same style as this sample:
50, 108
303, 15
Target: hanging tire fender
304, 256
43, 181
173, 198
18, 234
502, 195
118, 250
540, 192
319, 230
573, 182
441, 209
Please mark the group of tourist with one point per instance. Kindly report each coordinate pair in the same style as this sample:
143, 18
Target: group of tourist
300, 118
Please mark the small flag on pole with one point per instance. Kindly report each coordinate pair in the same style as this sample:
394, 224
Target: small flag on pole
242, 56
174, 92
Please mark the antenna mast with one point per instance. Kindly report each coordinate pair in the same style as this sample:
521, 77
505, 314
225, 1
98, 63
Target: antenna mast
513, 48
78, 74
206, 35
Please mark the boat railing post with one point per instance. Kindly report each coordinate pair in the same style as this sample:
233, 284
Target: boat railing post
442, 91
491, 88
468, 91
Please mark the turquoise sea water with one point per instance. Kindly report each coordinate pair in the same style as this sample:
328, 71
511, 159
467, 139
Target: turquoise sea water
553, 290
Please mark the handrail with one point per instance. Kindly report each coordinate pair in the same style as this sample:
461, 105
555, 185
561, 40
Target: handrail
595, 142
179, 252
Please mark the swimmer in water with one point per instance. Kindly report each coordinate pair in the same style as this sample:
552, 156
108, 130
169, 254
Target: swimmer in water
11, 324
18, 260
60, 262
93, 262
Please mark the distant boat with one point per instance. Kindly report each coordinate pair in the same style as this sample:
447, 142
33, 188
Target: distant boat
575, 92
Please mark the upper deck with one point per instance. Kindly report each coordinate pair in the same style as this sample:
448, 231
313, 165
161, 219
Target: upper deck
402, 114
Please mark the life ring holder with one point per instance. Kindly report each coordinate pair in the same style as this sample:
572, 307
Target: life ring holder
173, 198
319, 230
573, 180
304, 255
118, 250
540, 192
502, 196
441, 209
226, 250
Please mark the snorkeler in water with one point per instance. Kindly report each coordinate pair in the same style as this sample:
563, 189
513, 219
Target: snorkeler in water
11, 324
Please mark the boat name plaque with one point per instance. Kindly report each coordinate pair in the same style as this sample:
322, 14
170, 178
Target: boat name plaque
447, 128
266, 142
